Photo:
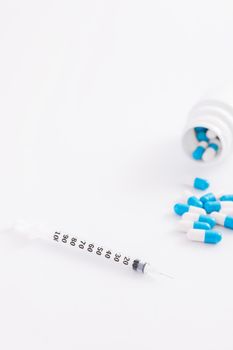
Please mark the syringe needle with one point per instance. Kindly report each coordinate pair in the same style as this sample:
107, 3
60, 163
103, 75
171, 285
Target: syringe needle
165, 275
151, 270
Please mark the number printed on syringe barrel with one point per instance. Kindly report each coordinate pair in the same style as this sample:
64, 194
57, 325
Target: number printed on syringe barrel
92, 248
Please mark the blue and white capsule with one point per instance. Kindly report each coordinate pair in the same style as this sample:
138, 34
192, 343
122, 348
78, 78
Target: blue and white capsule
212, 206
201, 135
205, 236
200, 128
226, 198
186, 225
181, 208
201, 218
201, 184
192, 200
208, 197
223, 220
199, 151
212, 150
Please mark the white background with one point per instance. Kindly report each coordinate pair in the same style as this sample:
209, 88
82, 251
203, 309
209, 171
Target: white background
93, 99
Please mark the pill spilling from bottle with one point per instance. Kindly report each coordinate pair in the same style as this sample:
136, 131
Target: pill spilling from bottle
201, 213
208, 132
207, 145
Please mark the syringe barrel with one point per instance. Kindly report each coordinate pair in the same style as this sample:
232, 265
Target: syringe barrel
75, 241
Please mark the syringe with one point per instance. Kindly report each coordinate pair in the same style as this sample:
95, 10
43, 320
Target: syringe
75, 241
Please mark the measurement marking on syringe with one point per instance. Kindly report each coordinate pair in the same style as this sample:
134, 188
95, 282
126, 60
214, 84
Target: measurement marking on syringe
90, 247
43, 232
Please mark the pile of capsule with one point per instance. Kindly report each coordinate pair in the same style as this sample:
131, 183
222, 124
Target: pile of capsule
200, 214
208, 144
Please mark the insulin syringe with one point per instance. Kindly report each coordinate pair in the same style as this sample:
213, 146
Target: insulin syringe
63, 238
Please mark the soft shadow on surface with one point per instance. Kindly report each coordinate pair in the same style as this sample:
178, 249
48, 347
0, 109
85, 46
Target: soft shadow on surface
160, 166
167, 166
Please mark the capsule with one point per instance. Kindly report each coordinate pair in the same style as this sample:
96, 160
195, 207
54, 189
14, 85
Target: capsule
185, 225
201, 184
201, 136
208, 197
200, 128
181, 208
210, 152
199, 151
191, 199
227, 211
217, 206
223, 220
226, 198
202, 218
205, 236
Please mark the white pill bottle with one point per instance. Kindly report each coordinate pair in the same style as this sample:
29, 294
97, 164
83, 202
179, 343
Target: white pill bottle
214, 113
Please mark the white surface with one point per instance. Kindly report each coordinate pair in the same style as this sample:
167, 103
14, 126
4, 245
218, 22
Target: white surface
94, 96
